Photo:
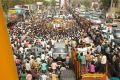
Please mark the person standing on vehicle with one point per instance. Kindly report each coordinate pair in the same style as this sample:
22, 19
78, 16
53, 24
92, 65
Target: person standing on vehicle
27, 66
83, 63
103, 63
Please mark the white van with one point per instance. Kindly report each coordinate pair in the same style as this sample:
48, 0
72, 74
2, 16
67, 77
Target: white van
59, 49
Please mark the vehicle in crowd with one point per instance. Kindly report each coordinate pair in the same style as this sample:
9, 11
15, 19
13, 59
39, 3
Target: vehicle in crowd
67, 75
112, 22
59, 49
115, 24
116, 34
62, 16
118, 19
95, 20
81, 15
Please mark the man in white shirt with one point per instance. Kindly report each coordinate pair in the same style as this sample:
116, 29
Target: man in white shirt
103, 63
42, 57
84, 50
27, 65
44, 77
21, 49
50, 53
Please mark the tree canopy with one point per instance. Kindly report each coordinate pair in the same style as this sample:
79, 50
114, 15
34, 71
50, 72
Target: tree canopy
105, 4
11, 3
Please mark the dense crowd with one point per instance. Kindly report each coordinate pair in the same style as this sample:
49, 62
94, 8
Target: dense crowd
32, 43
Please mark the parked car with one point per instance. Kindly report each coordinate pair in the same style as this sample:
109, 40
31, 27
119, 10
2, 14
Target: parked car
116, 34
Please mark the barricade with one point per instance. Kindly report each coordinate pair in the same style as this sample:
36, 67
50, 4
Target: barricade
78, 69
86, 76
76, 64
94, 77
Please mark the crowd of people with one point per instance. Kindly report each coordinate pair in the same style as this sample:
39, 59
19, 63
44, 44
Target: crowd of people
32, 43
96, 53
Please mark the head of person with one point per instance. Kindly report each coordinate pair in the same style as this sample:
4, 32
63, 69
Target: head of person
59, 55
27, 61
92, 62
43, 61
81, 54
23, 71
28, 72
88, 53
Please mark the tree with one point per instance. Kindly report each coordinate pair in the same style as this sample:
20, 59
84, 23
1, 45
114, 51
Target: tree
75, 2
95, 6
105, 5
5, 5
86, 3
46, 3
116, 2
53, 3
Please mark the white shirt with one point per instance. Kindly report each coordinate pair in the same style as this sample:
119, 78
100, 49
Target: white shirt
79, 50
43, 43
103, 60
53, 42
27, 65
21, 49
87, 40
31, 56
44, 77
84, 50
43, 57
46, 58
50, 53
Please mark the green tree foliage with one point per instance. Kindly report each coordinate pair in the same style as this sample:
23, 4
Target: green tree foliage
53, 2
86, 3
105, 4
11, 3
46, 3
75, 2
